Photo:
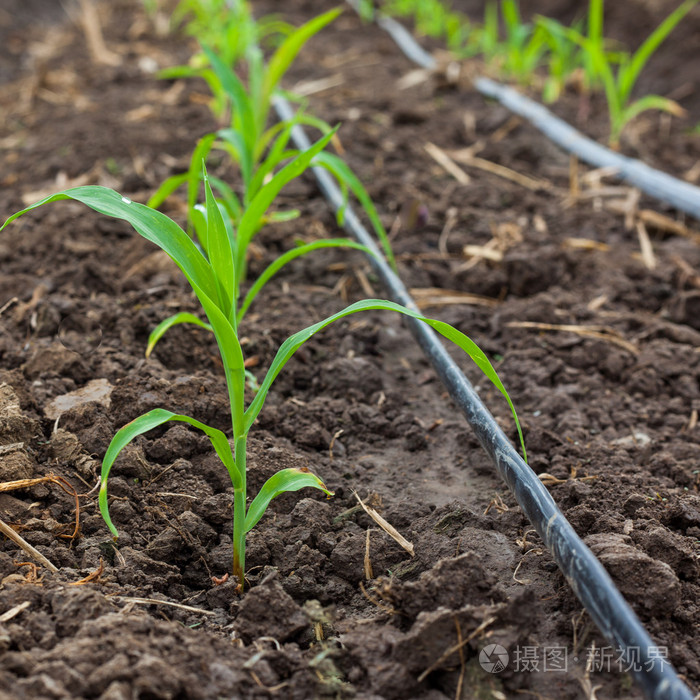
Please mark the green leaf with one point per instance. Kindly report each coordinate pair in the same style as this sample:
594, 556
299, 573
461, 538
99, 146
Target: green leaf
240, 151
274, 267
628, 76
489, 36
290, 47
261, 106
198, 217
277, 217
340, 169
242, 105
250, 220
267, 138
149, 223
164, 326
294, 342
285, 480
221, 251
595, 21
142, 425
228, 198
199, 155
643, 104
274, 157
511, 17
167, 235
178, 72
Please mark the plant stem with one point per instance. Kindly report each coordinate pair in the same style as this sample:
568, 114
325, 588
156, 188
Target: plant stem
239, 508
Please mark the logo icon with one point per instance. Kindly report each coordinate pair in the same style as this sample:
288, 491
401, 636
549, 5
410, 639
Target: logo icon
493, 658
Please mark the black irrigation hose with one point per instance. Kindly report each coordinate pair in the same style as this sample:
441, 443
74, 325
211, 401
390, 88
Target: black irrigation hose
585, 574
679, 194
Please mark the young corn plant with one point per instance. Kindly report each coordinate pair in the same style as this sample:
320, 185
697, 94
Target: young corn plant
228, 27
261, 153
235, 219
596, 43
214, 282
564, 60
517, 55
241, 228
438, 20
618, 72
256, 147
522, 50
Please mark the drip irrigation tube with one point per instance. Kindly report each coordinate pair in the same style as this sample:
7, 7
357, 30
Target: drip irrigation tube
585, 574
679, 194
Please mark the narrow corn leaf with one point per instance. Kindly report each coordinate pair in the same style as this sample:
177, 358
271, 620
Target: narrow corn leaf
284, 56
340, 169
221, 251
276, 217
489, 38
511, 18
239, 151
285, 480
629, 74
267, 137
294, 342
595, 21
299, 118
198, 217
149, 223
142, 425
164, 326
199, 155
274, 267
168, 236
602, 69
310, 120
248, 225
274, 157
256, 68
647, 102
178, 72
234, 88
228, 198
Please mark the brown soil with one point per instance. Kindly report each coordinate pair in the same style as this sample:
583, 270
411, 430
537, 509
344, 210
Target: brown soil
612, 417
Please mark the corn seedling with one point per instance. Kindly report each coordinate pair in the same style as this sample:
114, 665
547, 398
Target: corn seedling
213, 280
228, 27
564, 59
522, 50
248, 138
438, 20
241, 229
256, 148
618, 82
261, 153
517, 55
